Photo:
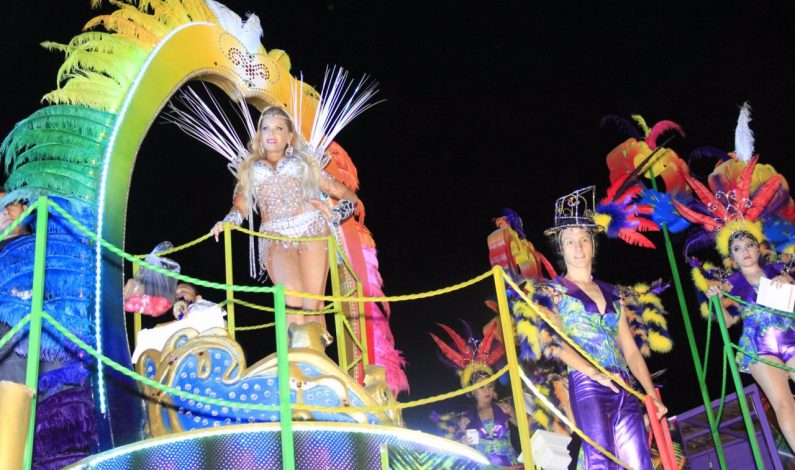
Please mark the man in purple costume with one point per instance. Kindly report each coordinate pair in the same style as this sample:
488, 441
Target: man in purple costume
593, 315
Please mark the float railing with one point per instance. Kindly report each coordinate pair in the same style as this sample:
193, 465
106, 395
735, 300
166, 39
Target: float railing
285, 407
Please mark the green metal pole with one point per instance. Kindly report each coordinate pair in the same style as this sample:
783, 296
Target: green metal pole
34, 336
283, 368
384, 451
717, 309
700, 372
230, 294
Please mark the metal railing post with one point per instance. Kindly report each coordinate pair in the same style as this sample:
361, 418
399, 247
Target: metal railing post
717, 310
283, 369
229, 279
339, 326
34, 335
700, 371
362, 324
510, 354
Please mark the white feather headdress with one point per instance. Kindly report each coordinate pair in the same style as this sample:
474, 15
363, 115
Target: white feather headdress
340, 101
743, 135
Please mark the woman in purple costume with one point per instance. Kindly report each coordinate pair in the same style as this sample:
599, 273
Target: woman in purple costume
765, 334
490, 419
593, 315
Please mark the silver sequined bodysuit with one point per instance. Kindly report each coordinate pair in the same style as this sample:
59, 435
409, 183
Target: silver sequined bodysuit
281, 205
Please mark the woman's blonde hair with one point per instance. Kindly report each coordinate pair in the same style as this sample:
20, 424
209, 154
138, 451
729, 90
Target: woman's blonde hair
310, 175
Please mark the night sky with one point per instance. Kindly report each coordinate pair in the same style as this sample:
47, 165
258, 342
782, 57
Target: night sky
489, 104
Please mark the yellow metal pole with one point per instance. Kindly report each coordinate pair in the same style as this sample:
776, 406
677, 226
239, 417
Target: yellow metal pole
362, 324
513, 362
230, 294
136, 327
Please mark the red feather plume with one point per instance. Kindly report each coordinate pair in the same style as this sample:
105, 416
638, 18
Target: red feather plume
763, 195
708, 222
458, 359
743, 188
460, 343
706, 196
634, 238
485, 355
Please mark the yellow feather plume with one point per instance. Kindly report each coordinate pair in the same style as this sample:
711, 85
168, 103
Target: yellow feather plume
542, 418
652, 299
602, 220
660, 343
281, 58
471, 369
524, 310
147, 20
704, 309
653, 316
530, 331
699, 280
87, 98
641, 288
642, 123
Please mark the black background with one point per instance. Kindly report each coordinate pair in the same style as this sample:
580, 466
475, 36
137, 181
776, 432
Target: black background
489, 105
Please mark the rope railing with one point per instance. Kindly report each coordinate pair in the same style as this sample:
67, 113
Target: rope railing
13, 331
133, 259
397, 298
261, 326
618, 380
324, 311
176, 249
756, 306
263, 289
240, 404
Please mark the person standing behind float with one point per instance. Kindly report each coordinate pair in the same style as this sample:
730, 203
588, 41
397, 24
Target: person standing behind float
593, 316
284, 183
744, 208
766, 334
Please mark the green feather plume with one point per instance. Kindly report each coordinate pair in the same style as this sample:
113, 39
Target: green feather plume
642, 123
85, 122
57, 151
71, 180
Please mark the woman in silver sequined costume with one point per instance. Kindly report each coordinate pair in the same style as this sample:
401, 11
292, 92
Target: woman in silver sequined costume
284, 183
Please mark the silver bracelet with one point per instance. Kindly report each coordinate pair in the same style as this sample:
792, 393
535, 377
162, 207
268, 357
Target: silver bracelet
342, 211
234, 217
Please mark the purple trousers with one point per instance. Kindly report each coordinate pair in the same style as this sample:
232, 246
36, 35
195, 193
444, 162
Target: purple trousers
612, 420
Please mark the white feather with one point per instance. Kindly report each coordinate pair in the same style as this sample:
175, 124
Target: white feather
251, 33
743, 135
341, 100
206, 121
248, 32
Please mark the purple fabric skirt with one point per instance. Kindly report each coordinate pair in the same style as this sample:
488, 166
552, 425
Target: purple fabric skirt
777, 343
612, 420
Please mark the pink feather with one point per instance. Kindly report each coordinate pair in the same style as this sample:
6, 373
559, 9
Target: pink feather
660, 128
